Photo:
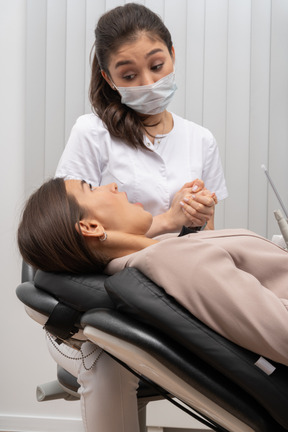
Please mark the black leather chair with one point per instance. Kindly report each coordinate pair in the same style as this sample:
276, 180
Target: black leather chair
226, 387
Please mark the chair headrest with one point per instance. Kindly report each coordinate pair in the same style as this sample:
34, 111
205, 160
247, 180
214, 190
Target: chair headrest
81, 292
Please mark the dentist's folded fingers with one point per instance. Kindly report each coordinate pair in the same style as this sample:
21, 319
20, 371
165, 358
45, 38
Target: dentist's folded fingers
193, 217
200, 203
193, 211
214, 196
198, 209
195, 186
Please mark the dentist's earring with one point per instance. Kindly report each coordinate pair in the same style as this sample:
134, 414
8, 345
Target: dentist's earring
104, 237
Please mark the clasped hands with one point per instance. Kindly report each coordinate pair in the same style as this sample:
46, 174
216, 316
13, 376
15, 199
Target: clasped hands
193, 205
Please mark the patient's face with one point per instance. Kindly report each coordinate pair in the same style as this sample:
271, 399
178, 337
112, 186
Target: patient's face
109, 207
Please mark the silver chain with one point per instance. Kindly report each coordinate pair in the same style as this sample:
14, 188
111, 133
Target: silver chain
82, 358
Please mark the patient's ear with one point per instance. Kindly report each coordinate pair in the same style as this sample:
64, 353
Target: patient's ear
89, 228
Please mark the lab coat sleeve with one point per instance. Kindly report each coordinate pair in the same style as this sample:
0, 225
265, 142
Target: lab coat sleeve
84, 152
213, 174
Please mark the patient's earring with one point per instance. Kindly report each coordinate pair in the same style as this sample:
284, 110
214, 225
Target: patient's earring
104, 237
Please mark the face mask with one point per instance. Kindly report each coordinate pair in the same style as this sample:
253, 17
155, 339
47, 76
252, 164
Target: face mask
149, 99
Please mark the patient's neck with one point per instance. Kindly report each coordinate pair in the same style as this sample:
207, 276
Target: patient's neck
126, 245
119, 244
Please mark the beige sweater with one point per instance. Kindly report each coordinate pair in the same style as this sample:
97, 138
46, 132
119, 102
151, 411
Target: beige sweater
234, 281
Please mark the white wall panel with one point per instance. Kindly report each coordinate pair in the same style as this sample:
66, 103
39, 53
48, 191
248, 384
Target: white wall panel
237, 126
259, 113
179, 40
75, 64
35, 93
195, 49
55, 83
278, 126
110, 4
215, 70
215, 80
156, 6
94, 9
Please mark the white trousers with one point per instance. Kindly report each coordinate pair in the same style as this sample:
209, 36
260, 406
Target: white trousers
108, 391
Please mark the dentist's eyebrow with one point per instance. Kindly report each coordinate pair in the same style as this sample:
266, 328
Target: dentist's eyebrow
128, 62
154, 51
123, 63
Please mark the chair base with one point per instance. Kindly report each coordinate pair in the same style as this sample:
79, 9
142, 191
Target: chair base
53, 390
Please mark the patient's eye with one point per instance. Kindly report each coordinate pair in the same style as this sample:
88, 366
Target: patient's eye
90, 186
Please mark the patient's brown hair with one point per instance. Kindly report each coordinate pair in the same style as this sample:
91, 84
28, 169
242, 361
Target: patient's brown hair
47, 235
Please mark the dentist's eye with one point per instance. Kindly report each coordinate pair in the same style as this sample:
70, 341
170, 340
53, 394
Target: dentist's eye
157, 67
129, 77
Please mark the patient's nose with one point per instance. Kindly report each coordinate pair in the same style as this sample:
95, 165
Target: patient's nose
113, 187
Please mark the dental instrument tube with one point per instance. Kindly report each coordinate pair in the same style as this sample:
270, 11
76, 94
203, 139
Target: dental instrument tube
283, 225
275, 191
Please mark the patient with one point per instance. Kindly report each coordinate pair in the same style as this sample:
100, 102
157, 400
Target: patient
234, 281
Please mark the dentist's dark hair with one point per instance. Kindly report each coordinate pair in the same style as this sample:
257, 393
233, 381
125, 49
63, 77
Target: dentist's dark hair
47, 235
116, 27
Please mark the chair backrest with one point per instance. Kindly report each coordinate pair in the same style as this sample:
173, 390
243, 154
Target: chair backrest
137, 296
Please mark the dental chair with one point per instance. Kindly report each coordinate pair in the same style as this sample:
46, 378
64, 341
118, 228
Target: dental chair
57, 302
222, 385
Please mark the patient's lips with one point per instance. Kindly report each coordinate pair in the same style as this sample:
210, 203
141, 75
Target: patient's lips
139, 204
